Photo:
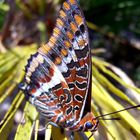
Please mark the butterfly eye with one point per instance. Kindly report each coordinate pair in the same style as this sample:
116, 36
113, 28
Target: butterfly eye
89, 125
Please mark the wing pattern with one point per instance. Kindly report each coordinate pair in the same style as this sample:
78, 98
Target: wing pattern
58, 75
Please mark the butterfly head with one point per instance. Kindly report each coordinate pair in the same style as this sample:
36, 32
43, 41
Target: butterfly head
87, 123
91, 125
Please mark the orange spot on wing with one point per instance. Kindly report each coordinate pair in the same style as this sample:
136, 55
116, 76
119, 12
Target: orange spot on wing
81, 42
59, 22
33, 91
58, 60
81, 62
64, 52
70, 35
44, 49
56, 31
78, 19
59, 92
66, 6
72, 1
69, 80
73, 27
53, 39
79, 79
67, 44
62, 14
81, 92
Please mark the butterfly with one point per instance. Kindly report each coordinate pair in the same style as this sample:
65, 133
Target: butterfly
58, 76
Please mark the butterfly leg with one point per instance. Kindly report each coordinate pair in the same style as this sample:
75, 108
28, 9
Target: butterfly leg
69, 135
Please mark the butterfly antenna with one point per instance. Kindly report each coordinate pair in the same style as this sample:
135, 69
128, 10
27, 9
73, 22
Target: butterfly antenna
117, 111
113, 113
117, 118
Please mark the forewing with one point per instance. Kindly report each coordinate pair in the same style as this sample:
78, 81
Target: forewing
69, 42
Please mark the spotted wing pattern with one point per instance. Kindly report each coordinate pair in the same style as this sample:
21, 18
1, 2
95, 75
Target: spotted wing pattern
57, 76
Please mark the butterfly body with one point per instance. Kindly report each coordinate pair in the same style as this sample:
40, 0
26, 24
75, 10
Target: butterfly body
58, 78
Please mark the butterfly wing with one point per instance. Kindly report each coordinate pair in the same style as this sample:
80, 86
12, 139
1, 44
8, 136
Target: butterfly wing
61, 68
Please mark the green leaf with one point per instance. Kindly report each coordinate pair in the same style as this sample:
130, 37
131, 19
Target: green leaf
25, 128
6, 124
